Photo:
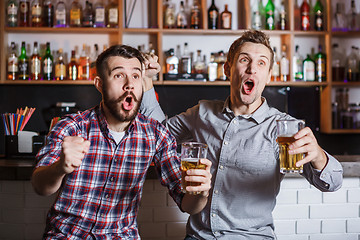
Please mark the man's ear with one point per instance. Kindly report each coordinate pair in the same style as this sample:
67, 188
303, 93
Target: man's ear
227, 69
98, 82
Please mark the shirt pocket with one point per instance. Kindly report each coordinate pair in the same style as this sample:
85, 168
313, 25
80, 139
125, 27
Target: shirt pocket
255, 155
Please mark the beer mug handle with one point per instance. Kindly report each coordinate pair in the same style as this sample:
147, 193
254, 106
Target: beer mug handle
301, 125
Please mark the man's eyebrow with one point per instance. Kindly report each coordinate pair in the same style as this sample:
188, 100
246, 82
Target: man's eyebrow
120, 67
245, 53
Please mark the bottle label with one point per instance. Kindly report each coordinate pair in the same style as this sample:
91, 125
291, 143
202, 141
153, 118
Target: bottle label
35, 66
48, 66
13, 64
226, 18
309, 71
320, 69
284, 68
36, 10
60, 70
99, 15
212, 71
169, 17
319, 21
60, 16
23, 69
75, 16
257, 20
12, 9
276, 70
305, 21
113, 15
24, 7
195, 18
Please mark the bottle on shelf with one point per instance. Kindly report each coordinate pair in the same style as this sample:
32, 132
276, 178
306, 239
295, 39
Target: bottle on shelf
199, 64
221, 59
339, 22
257, 22
185, 61
48, 13
297, 65
226, 18
319, 16
187, 9
88, 18
60, 66
75, 14
172, 63
112, 14
213, 16
12, 63
308, 69
352, 63
353, 17
12, 13
169, 14
48, 64
99, 14
305, 16
284, 65
275, 76
23, 63
24, 13
84, 64
296, 15
338, 64
212, 68
320, 63
270, 15
73, 67
181, 18
282, 24
195, 15
35, 64
93, 62
36, 13
60, 14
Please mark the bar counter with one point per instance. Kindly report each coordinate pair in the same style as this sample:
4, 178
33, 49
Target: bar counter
21, 169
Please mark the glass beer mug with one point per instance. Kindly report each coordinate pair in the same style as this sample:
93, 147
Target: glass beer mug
286, 129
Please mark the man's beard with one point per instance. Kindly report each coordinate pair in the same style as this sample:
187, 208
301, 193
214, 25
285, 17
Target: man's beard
115, 107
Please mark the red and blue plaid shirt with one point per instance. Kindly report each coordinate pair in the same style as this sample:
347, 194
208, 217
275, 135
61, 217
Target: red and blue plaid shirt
100, 199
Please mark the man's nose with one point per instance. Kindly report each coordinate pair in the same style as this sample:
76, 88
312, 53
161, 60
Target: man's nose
128, 84
251, 68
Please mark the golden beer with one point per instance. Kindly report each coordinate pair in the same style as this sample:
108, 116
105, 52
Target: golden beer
288, 161
186, 164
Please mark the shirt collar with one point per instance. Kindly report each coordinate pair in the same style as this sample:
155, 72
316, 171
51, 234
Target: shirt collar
259, 115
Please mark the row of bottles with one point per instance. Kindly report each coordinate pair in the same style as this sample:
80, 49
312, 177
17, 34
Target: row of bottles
345, 115
38, 66
345, 68
349, 21
185, 63
51, 13
190, 16
312, 68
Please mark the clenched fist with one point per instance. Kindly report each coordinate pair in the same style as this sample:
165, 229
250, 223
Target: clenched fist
73, 151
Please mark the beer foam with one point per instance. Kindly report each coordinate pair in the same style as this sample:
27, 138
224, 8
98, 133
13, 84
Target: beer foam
192, 160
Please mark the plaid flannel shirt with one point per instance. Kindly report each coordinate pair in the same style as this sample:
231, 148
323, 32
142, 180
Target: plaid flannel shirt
100, 199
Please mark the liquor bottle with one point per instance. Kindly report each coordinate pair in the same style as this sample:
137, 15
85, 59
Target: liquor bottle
305, 16
297, 65
352, 64
84, 64
75, 14
195, 15
256, 16
284, 65
213, 16
12, 63
12, 13
48, 13
88, 18
169, 15
48, 64
172, 63
24, 13
73, 67
181, 18
93, 62
36, 13
275, 76
60, 14
112, 13
320, 63
282, 24
221, 59
319, 16
339, 20
23, 63
60, 66
270, 15
185, 61
353, 24
338, 64
308, 69
99, 18
226, 18
212, 68
35, 64
199, 64
297, 23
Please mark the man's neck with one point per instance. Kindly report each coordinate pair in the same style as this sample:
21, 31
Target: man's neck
113, 123
244, 109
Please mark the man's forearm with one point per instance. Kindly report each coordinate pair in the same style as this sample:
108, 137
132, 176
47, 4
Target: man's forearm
46, 180
193, 204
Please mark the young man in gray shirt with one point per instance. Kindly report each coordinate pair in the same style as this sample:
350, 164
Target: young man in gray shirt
241, 135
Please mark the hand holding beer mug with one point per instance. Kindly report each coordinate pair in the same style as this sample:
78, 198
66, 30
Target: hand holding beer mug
286, 129
191, 153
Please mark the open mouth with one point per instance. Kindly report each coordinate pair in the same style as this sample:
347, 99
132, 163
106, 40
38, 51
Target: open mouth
248, 86
128, 102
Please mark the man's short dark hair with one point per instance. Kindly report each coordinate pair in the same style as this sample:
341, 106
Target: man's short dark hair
124, 51
253, 36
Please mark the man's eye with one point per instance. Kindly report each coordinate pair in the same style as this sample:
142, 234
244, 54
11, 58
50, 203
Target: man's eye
136, 76
262, 63
244, 60
119, 75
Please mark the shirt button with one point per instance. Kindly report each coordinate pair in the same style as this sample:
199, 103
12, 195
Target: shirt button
213, 215
235, 122
115, 160
226, 143
216, 233
102, 215
216, 191
111, 179
107, 196
221, 167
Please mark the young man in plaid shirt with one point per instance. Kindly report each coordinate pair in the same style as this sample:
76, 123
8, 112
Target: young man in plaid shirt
96, 161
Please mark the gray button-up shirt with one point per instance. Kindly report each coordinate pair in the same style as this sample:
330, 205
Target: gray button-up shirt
245, 167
